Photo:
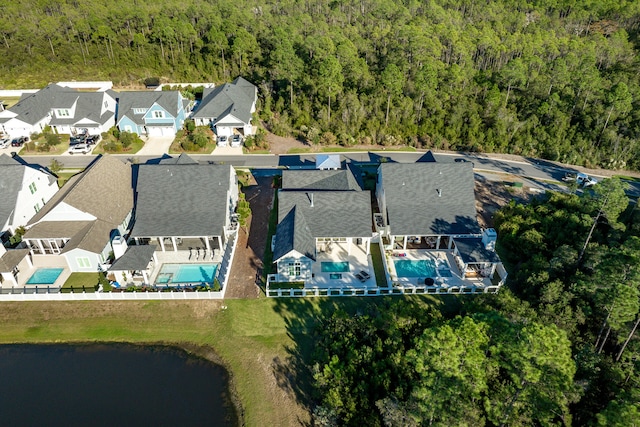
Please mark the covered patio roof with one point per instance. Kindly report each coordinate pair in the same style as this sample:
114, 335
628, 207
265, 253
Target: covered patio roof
135, 258
10, 259
472, 251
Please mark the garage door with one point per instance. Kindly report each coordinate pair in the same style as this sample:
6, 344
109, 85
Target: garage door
161, 131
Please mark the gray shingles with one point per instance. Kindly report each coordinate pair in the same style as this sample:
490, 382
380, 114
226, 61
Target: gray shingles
89, 106
332, 214
135, 258
430, 198
472, 251
33, 107
181, 200
320, 180
235, 98
11, 177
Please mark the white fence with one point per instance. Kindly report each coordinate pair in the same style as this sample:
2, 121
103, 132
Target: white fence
114, 296
16, 93
374, 292
205, 85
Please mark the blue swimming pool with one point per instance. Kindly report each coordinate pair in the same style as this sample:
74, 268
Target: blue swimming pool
334, 267
415, 268
186, 273
45, 276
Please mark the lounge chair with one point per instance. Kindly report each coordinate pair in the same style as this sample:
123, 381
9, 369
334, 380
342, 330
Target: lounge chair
364, 274
360, 277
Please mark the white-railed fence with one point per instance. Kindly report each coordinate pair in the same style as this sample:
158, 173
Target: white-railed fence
113, 296
374, 292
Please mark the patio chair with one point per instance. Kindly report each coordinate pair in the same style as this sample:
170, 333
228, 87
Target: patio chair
364, 274
360, 277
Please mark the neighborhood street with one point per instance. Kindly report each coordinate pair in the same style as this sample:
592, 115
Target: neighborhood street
536, 173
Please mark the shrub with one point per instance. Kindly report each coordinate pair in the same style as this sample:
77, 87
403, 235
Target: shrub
17, 236
111, 147
200, 139
128, 138
189, 125
152, 81
52, 139
216, 285
55, 166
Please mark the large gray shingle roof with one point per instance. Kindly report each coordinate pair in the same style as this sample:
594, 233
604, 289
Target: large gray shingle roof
182, 200
430, 198
89, 105
33, 107
333, 214
235, 98
318, 180
170, 100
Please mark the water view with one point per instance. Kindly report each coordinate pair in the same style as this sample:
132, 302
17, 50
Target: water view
107, 385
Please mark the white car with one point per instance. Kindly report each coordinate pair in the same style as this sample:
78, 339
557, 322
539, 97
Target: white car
236, 140
4, 143
222, 141
585, 180
79, 148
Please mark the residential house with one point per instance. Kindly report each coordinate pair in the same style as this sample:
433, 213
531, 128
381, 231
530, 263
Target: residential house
324, 228
427, 212
151, 113
187, 210
25, 190
228, 108
328, 161
65, 109
74, 230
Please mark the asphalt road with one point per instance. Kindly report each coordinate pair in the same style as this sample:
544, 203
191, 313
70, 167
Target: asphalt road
535, 172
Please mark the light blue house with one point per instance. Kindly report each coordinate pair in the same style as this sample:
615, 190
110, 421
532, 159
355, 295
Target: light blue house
151, 113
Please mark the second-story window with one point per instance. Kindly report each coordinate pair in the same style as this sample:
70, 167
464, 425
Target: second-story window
158, 114
33, 188
62, 113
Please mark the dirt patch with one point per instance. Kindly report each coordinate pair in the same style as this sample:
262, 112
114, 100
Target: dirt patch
491, 196
247, 262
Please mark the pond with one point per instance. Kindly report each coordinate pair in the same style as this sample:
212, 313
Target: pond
107, 385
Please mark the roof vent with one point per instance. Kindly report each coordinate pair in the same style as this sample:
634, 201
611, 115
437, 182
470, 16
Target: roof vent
439, 192
310, 199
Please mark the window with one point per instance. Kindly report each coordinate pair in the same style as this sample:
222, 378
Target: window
106, 104
83, 262
62, 113
128, 128
139, 110
158, 114
33, 188
37, 207
294, 268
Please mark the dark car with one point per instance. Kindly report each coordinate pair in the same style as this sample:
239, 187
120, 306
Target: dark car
461, 160
17, 142
92, 139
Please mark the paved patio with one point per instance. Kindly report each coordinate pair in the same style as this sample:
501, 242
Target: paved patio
357, 260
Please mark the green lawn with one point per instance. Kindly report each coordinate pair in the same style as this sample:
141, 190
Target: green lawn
80, 282
63, 177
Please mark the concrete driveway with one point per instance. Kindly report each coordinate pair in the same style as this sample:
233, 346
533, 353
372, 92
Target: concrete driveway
155, 145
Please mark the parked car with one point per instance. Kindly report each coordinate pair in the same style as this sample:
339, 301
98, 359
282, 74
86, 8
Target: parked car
79, 148
4, 143
17, 142
236, 140
582, 179
78, 139
222, 141
93, 139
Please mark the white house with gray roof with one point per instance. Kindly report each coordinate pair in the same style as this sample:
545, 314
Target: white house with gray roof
151, 113
187, 210
25, 190
324, 228
65, 109
427, 211
228, 108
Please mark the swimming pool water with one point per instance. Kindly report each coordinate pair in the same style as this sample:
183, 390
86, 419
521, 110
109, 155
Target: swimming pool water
415, 268
186, 273
45, 276
334, 267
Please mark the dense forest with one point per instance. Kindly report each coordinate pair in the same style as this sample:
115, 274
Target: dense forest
558, 346
551, 79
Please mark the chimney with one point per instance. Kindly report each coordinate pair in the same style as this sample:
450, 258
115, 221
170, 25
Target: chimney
119, 246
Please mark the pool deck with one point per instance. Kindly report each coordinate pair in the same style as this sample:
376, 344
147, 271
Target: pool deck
45, 261
438, 257
358, 260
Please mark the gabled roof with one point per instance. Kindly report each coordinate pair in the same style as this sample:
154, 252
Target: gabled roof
182, 159
11, 258
135, 258
236, 99
182, 200
33, 107
102, 190
11, 177
320, 214
328, 161
169, 100
91, 236
430, 198
321, 180
88, 106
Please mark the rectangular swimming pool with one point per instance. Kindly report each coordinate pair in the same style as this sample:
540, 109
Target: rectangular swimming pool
415, 268
186, 273
45, 276
334, 267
